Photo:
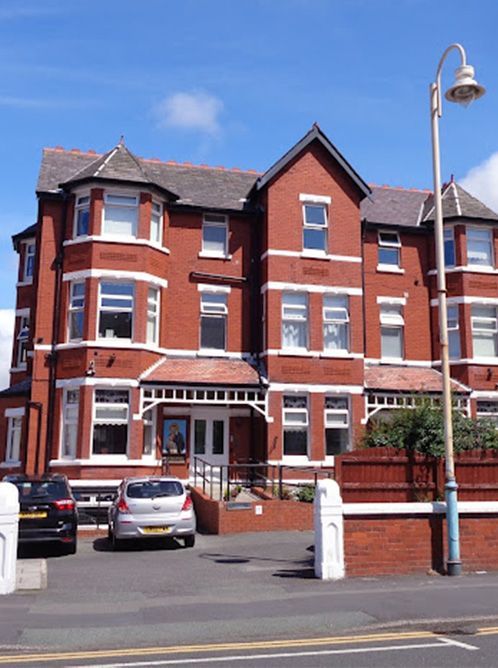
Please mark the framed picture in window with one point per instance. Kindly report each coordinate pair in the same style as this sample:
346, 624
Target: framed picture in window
175, 438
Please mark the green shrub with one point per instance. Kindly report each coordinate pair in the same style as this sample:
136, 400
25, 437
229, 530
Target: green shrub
421, 430
306, 493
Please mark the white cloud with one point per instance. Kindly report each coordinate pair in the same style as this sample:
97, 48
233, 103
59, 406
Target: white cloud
7, 316
482, 182
190, 111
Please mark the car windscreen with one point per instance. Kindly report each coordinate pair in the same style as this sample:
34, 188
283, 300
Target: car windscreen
41, 490
147, 489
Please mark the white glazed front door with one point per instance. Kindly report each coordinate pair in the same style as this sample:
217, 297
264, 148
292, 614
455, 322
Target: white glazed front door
209, 438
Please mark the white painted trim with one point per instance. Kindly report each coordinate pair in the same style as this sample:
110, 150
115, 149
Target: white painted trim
115, 275
397, 362
216, 289
389, 269
468, 268
315, 389
468, 299
317, 199
488, 361
234, 411
437, 507
105, 460
10, 465
310, 287
484, 394
18, 369
306, 255
212, 255
62, 383
128, 345
20, 312
132, 241
23, 284
14, 412
392, 300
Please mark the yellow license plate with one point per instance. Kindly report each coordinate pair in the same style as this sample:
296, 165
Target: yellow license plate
33, 516
156, 529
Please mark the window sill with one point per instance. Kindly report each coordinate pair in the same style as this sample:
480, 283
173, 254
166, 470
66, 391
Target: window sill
24, 283
315, 255
18, 369
10, 465
212, 352
214, 256
105, 460
295, 352
389, 269
392, 360
338, 353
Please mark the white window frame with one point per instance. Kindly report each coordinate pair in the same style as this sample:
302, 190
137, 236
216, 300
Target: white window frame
22, 341
296, 426
492, 320
449, 237
453, 326
13, 443
156, 220
489, 414
392, 321
81, 206
29, 254
218, 310
109, 203
150, 422
218, 221
472, 229
153, 313
389, 245
111, 309
330, 413
75, 308
96, 420
70, 420
313, 226
292, 313
336, 315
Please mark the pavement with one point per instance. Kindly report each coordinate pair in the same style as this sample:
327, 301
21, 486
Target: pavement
31, 574
226, 588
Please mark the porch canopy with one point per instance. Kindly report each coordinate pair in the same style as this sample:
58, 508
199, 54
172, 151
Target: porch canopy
389, 387
206, 382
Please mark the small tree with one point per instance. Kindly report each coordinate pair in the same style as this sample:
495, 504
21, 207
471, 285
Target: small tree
421, 429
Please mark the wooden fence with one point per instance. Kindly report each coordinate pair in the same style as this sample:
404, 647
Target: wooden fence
389, 475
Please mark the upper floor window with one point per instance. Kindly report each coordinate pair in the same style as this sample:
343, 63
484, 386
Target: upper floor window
70, 423
315, 227
480, 246
29, 261
14, 431
336, 425
215, 235
153, 316
389, 249
295, 424
156, 223
335, 322
120, 215
295, 320
449, 247
76, 316
391, 331
110, 422
484, 330
82, 216
214, 312
453, 332
22, 341
116, 310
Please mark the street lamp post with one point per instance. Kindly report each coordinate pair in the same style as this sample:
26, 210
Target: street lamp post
464, 90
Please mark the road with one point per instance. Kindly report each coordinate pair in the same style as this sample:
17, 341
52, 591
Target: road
255, 588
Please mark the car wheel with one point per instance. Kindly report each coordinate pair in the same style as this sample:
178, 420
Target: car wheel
109, 532
189, 541
70, 548
116, 543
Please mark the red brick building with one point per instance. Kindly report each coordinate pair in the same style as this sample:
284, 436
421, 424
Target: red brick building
232, 315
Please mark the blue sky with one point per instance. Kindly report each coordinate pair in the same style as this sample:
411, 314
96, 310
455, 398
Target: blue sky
236, 83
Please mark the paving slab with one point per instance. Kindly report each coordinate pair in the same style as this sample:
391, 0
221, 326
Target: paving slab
31, 574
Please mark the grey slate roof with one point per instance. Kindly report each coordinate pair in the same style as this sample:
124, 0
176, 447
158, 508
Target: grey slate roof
458, 203
19, 389
28, 232
394, 206
207, 187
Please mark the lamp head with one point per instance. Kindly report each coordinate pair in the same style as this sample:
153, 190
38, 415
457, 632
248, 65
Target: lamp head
465, 88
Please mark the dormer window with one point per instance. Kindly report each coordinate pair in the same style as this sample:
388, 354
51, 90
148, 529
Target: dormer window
389, 249
479, 247
315, 227
120, 215
82, 216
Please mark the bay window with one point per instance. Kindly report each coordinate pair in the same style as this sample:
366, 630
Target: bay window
22, 341
70, 424
449, 247
153, 316
110, 422
116, 310
29, 261
156, 223
214, 312
453, 332
335, 323
484, 330
82, 216
76, 316
294, 321
337, 436
120, 215
295, 424
479, 247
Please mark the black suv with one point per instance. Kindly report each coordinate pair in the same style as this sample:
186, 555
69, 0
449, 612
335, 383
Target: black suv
47, 510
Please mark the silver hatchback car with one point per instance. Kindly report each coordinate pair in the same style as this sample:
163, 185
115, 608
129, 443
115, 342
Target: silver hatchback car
149, 507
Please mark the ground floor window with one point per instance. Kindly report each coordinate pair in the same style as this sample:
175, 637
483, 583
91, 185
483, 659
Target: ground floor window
14, 431
110, 422
488, 408
336, 425
70, 423
295, 424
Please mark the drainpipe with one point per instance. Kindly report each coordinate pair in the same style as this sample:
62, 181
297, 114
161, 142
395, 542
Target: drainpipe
55, 332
